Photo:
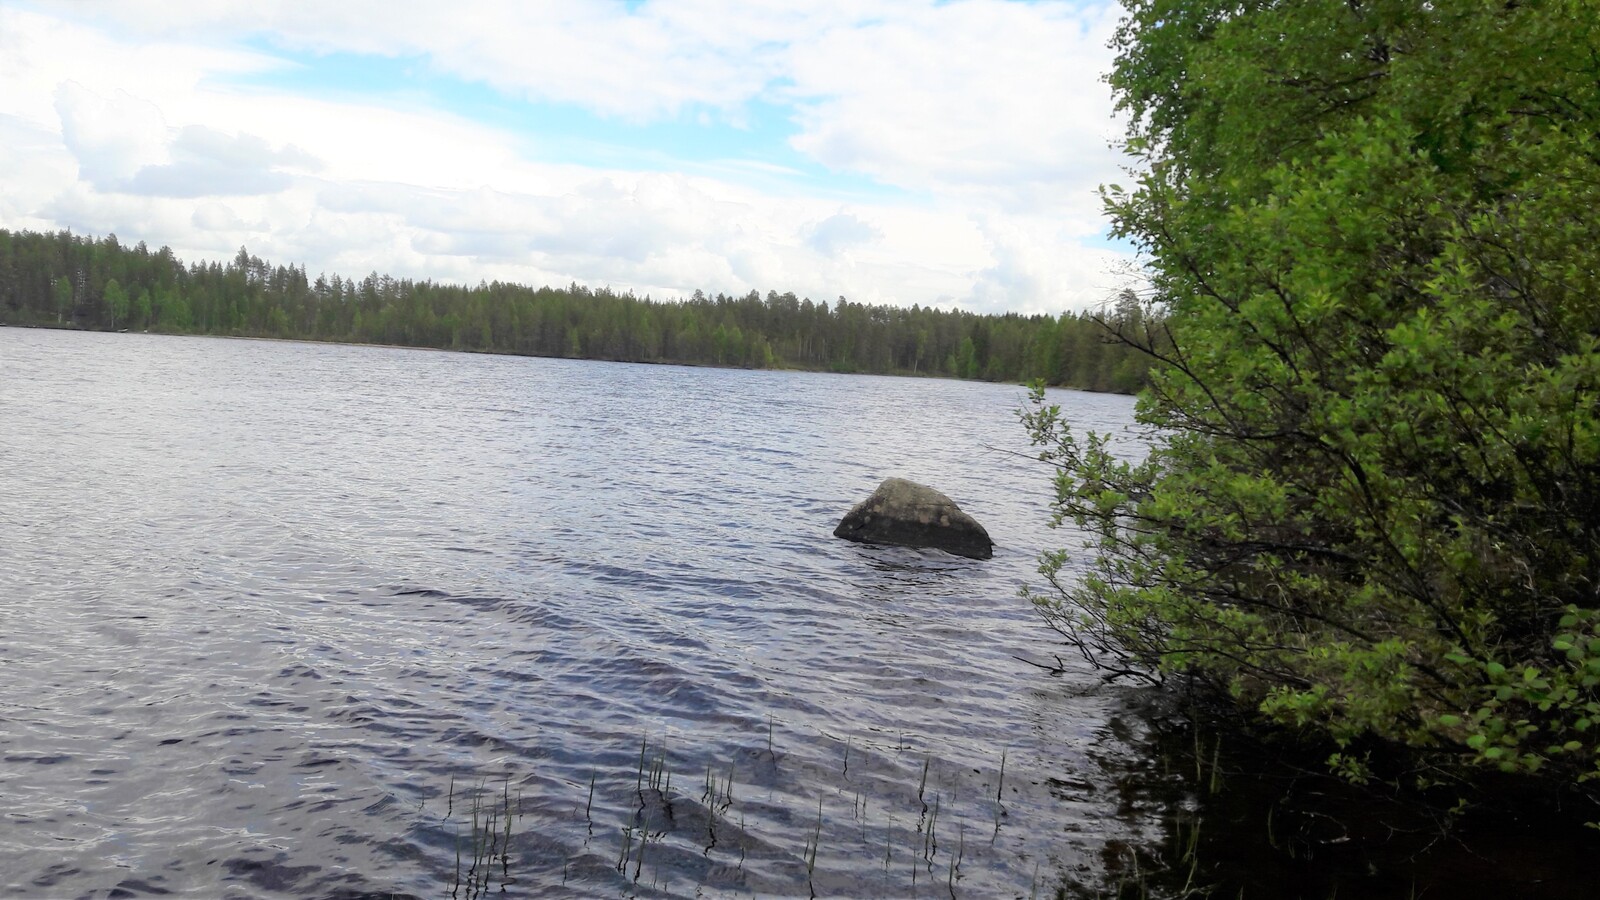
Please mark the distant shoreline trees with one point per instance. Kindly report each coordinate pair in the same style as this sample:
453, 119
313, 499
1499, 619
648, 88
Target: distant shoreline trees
63, 280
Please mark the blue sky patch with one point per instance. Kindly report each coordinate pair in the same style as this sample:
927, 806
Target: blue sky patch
699, 138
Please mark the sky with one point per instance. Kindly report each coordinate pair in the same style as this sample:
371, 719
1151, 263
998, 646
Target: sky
889, 151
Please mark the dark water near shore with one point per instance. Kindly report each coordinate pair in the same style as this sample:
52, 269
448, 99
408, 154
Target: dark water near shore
272, 613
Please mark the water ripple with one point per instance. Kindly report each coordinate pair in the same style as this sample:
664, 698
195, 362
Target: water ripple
281, 617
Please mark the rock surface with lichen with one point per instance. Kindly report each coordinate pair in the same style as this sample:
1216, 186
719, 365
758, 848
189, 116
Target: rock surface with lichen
908, 514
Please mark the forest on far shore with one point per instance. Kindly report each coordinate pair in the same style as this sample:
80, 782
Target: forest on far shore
65, 280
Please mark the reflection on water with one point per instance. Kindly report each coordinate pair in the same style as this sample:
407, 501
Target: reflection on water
1231, 812
279, 619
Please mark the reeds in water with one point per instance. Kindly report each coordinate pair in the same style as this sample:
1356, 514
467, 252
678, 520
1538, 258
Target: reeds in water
657, 825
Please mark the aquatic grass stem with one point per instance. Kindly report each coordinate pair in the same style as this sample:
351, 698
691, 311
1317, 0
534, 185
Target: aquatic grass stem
627, 848
813, 844
588, 808
644, 838
888, 834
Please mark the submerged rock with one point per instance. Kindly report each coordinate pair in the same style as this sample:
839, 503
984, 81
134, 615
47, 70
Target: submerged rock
908, 514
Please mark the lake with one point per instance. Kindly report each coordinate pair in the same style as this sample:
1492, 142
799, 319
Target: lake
286, 619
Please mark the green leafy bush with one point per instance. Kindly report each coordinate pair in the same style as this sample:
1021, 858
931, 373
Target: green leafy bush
1373, 503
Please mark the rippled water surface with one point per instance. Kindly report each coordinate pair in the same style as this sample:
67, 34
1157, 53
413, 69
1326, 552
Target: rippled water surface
281, 619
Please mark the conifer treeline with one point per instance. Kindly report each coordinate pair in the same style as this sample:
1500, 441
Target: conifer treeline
65, 280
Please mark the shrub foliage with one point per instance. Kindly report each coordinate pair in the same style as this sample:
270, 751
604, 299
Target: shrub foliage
1373, 503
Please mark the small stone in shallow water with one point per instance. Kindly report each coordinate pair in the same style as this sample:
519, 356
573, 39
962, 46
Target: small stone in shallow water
908, 514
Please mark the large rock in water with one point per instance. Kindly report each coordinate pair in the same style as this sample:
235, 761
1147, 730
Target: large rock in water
912, 515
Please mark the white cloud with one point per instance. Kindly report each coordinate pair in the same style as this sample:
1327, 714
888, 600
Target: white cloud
1029, 261
33, 166
216, 217
633, 65
985, 95
986, 114
978, 97
840, 232
112, 138
122, 144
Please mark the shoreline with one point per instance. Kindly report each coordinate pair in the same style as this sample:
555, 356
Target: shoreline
637, 362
